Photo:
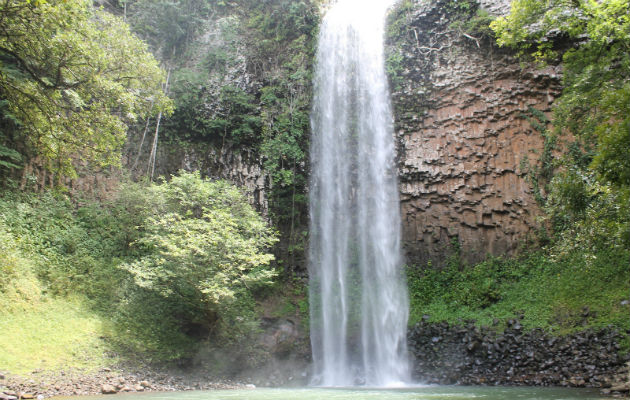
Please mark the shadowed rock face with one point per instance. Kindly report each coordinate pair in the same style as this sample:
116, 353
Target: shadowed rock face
466, 354
463, 140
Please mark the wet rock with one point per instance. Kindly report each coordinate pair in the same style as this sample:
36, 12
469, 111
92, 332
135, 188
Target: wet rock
621, 388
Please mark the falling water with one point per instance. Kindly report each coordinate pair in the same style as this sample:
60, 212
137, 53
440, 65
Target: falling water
359, 303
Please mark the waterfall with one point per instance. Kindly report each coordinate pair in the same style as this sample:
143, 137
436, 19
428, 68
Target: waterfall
359, 305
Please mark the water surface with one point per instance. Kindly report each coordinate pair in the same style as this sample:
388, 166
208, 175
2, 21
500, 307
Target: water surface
419, 393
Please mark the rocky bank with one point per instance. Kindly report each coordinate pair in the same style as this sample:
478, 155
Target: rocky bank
466, 354
41, 385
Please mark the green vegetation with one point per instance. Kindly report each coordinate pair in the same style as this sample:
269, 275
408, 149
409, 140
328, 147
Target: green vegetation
162, 270
559, 295
241, 81
588, 202
72, 79
203, 250
595, 103
276, 40
158, 271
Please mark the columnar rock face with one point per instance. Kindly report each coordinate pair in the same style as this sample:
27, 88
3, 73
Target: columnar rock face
240, 166
462, 109
214, 157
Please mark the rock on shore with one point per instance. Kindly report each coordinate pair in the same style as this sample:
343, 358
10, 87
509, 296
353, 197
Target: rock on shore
470, 355
40, 385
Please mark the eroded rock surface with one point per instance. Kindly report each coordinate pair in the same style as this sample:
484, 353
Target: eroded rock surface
462, 109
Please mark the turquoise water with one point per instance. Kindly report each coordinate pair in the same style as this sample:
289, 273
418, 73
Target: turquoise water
419, 393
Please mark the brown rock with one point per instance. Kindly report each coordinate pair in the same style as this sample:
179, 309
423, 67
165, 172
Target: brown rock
138, 388
621, 388
108, 389
27, 396
464, 140
145, 383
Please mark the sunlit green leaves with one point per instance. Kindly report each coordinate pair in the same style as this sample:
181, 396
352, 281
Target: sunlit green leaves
595, 103
203, 244
75, 77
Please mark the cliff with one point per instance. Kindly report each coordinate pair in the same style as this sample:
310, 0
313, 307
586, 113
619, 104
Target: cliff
462, 113
462, 120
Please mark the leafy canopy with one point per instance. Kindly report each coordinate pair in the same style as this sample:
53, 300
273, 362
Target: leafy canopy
202, 245
595, 103
72, 78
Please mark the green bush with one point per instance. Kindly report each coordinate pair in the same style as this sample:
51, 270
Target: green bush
549, 291
203, 250
168, 265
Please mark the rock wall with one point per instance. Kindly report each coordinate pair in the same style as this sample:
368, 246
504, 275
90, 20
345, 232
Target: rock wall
214, 157
469, 355
241, 166
461, 108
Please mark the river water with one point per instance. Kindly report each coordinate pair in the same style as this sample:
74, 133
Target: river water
418, 393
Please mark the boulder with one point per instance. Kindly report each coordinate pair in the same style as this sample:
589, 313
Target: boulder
108, 389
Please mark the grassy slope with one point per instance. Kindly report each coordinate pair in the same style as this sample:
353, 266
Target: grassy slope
52, 335
39, 331
560, 296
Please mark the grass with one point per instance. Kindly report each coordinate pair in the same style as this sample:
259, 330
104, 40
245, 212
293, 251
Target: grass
559, 295
56, 334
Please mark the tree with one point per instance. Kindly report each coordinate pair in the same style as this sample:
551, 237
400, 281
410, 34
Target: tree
74, 78
206, 248
590, 194
595, 103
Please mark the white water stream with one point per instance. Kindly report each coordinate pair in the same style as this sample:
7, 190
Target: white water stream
359, 305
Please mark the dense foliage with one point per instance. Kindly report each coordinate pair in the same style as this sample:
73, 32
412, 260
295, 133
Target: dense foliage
595, 104
170, 266
203, 246
241, 78
559, 295
71, 80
